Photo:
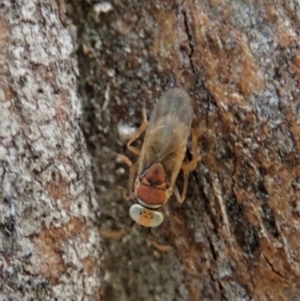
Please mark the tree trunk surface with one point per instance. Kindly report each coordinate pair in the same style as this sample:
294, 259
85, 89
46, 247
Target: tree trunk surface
49, 238
236, 236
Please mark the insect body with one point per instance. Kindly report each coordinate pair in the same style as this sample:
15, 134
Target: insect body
161, 157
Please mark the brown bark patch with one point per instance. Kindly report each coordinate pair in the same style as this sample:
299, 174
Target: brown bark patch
49, 253
61, 116
173, 42
228, 69
296, 68
88, 264
49, 248
77, 227
59, 190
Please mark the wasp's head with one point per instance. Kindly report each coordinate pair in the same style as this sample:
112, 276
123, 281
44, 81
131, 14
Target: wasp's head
145, 217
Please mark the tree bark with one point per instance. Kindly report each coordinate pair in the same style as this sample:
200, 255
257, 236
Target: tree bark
49, 239
236, 235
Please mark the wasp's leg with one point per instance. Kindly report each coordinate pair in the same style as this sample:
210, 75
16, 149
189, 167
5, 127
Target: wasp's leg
112, 234
116, 234
128, 193
159, 247
137, 134
188, 167
132, 171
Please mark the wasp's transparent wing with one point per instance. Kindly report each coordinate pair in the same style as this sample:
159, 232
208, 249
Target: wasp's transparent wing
169, 126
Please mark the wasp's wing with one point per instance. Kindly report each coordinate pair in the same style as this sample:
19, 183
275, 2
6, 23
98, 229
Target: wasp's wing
169, 125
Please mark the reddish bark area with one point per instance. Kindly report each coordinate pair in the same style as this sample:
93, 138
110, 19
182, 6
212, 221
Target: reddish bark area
236, 235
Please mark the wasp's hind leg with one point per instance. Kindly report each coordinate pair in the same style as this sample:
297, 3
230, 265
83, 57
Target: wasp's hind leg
188, 167
137, 134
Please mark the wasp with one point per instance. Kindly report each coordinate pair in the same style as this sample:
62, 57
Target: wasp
152, 178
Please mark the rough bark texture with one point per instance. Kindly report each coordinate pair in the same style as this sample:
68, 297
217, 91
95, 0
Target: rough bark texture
236, 237
49, 240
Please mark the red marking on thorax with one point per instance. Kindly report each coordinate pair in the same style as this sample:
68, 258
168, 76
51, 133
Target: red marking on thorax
156, 175
152, 190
